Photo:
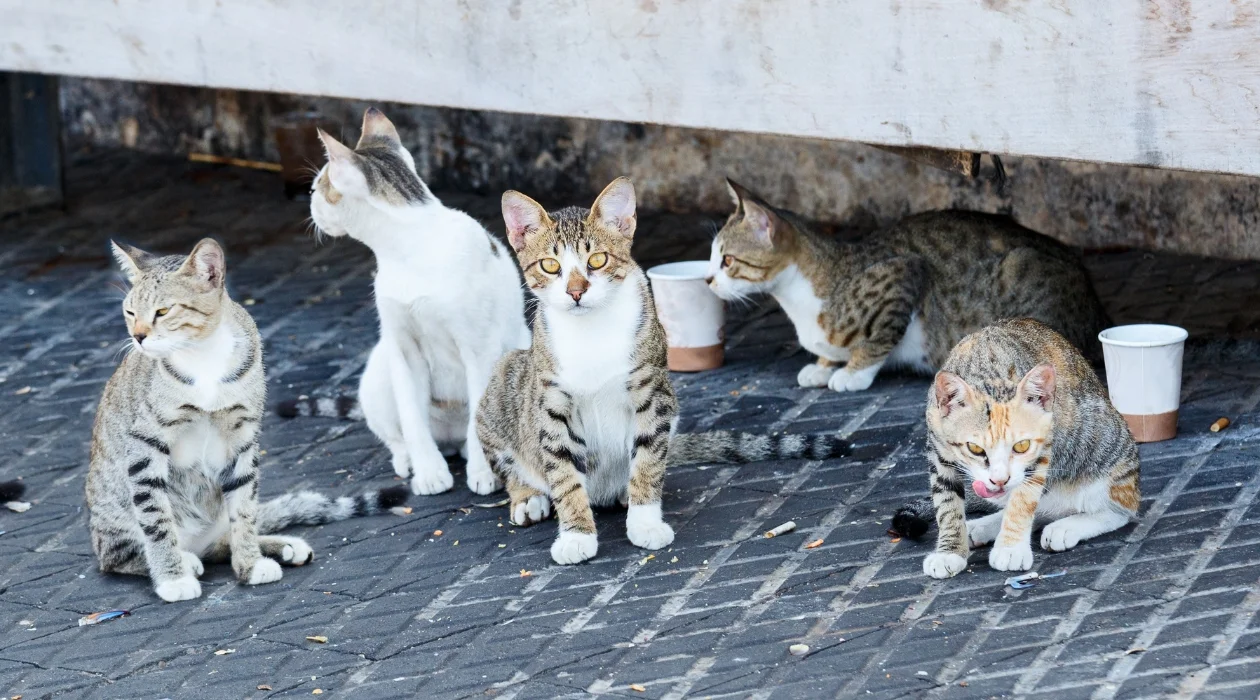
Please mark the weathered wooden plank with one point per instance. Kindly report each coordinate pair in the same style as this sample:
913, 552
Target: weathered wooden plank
30, 142
1170, 83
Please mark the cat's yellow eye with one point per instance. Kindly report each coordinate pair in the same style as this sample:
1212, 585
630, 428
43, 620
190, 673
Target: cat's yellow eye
975, 449
597, 261
162, 311
549, 265
1021, 447
728, 260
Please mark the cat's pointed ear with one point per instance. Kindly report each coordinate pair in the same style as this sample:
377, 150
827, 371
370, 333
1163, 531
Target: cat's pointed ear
1038, 386
614, 207
377, 125
334, 149
131, 260
950, 391
759, 217
206, 263
523, 217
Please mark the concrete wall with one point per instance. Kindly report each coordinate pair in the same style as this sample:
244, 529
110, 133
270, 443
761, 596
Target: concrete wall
678, 169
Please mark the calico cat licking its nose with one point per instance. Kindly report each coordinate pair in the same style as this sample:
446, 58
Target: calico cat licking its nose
903, 295
587, 415
1021, 428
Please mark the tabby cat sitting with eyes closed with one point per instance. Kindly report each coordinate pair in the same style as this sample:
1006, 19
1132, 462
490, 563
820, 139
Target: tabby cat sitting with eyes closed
173, 478
903, 295
586, 416
1020, 424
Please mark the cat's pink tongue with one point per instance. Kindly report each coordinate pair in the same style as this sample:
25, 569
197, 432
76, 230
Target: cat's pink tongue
981, 490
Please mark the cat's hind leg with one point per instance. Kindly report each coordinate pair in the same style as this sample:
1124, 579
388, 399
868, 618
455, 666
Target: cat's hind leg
1066, 533
528, 505
1109, 505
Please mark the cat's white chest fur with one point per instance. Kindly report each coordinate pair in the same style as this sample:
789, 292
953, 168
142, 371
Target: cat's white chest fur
594, 358
796, 295
206, 364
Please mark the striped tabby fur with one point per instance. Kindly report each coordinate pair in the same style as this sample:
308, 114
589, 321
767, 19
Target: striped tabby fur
1019, 425
174, 461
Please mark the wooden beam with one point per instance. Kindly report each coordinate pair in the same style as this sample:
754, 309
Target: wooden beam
30, 142
1165, 83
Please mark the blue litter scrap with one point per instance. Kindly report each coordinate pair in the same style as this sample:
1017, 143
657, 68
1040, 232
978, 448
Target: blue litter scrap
1030, 579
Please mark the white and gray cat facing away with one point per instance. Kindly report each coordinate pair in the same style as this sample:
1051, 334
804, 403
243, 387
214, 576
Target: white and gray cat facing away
174, 472
450, 302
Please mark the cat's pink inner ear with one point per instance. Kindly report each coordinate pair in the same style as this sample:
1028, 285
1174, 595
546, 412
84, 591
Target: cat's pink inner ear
760, 222
615, 207
1039, 385
376, 124
206, 262
950, 390
522, 216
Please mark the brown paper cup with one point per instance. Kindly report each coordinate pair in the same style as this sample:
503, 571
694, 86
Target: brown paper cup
1152, 428
695, 359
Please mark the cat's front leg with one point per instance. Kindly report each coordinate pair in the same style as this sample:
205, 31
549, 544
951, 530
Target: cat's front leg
655, 415
816, 374
1012, 551
239, 484
561, 449
173, 574
952, 547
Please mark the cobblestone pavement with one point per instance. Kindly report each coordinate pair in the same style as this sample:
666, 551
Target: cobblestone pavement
1164, 606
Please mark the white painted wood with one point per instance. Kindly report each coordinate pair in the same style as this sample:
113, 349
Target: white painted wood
1172, 83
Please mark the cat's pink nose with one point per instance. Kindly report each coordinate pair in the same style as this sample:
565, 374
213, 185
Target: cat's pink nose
1000, 482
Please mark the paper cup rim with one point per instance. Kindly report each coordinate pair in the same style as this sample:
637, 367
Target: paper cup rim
681, 271
1143, 335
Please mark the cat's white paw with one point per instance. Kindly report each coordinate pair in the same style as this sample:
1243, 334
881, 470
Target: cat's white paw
814, 375
943, 564
535, 509
177, 589
431, 476
845, 379
646, 529
1017, 558
192, 563
650, 535
982, 531
296, 552
265, 571
573, 547
481, 479
402, 464
1060, 535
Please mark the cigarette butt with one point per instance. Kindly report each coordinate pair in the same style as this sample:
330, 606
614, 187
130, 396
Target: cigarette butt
780, 530
437, 533
813, 545
526, 573
895, 540
318, 639
637, 688
1219, 425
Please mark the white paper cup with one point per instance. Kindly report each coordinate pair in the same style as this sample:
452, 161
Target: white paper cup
1144, 377
693, 316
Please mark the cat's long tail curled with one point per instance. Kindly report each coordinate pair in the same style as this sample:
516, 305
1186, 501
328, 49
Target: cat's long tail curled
311, 508
11, 491
729, 447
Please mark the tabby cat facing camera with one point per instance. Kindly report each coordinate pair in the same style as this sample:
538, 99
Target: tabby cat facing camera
903, 295
1019, 426
174, 472
587, 415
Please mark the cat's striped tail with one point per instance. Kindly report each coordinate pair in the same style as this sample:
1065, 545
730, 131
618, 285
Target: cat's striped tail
915, 518
324, 407
311, 508
11, 491
729, 447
